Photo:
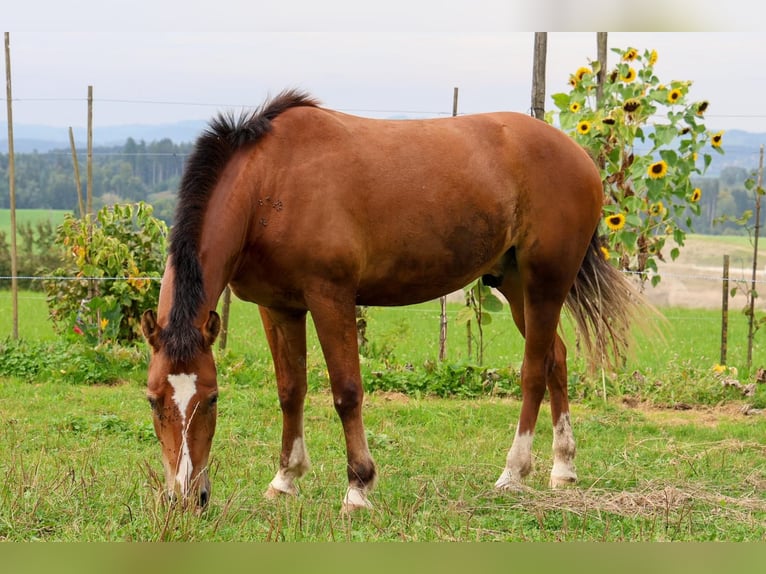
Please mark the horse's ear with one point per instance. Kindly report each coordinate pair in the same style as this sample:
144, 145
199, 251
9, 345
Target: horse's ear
150, 328
211, 328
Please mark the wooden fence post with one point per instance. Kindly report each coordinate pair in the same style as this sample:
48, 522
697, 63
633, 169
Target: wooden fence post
752, 293
443, 299
12, 190
538, 75
725, 310
76, 165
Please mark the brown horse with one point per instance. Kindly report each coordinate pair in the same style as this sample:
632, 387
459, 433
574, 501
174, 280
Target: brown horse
303, 209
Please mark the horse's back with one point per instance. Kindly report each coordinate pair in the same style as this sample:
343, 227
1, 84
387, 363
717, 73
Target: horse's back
407, 210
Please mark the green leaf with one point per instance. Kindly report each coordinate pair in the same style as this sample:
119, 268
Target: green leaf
561, 101
490, 302
464, 316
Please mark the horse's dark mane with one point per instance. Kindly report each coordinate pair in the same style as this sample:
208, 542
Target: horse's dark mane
213, 149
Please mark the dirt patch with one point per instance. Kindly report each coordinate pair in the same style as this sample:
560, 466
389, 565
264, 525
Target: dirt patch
684, 414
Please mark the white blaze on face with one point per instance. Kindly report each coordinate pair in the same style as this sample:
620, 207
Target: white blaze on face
184, 388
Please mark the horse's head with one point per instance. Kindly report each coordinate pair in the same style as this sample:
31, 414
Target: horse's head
183, 397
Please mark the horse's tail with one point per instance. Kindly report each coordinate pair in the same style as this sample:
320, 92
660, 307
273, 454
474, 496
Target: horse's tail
605, 305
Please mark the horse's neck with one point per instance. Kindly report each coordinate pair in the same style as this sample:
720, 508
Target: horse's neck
220, 242
218, 250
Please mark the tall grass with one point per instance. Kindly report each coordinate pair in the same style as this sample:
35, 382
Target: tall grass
79, 460
90, 470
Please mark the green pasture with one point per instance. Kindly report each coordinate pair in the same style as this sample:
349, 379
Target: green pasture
665, 450
32, 216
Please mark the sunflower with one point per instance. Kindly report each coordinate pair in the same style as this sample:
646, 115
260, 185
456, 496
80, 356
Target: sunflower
631, 105
609, 120
701, 107
717, 139
653, 58
605, 253
630, 55
629, 77
615, 222
696, 195
658, 169
657, 208
674, 95
575, 107
583, 127
580, 73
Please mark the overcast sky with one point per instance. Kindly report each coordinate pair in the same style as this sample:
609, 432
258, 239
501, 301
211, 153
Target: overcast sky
170, 60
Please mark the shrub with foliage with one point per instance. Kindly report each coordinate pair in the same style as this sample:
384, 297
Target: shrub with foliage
648, 140
110, 275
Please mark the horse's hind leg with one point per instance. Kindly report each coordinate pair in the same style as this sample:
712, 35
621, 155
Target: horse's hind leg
286, 334
335, 322
536, 313
564, 448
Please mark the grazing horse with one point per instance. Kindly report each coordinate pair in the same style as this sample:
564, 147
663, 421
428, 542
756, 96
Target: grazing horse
302, 209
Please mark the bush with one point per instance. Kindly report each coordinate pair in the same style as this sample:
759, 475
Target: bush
110, 275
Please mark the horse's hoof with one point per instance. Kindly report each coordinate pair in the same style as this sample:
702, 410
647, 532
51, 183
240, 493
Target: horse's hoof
563, 481
508, 482
355, 500
274, 493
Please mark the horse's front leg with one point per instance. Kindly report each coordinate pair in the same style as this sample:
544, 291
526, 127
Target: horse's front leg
335, 323
286, 334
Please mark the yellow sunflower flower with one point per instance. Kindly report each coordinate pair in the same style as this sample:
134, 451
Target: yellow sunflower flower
674, 95
630, 76
605, 253
657, 208
615, 222
702, 107
653, 58
631, 105
575, 107
696, 195
717, 139
630, 55
583, 127
658, 169
580, 73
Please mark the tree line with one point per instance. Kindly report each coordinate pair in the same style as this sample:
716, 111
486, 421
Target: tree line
135, 171
150, 172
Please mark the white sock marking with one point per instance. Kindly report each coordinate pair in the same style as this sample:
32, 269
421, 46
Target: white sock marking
297, 465
184, 388
563, 452
518, 463
356, 498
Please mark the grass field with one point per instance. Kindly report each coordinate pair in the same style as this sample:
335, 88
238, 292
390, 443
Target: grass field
33, 216
666, 455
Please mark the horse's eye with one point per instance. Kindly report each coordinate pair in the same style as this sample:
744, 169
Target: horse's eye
213, 399
152, 402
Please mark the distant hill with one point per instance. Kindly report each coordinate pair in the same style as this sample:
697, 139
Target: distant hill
741, 147
30, 138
